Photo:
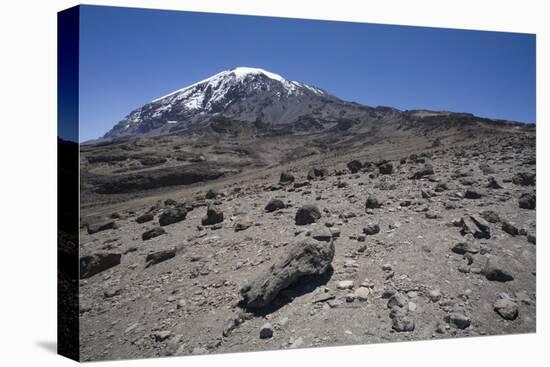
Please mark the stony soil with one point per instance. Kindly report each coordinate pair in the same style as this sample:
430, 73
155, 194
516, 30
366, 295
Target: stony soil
403, 282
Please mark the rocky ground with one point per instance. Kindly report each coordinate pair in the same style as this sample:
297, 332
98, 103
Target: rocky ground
386, 243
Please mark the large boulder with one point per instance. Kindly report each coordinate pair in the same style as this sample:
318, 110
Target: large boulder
524, 179
101, 226
147, 217
159, 256
506, 308
496, 271
386, 168
303, 259
314, 173
172, 216
286, 178
372, 203
424, 171
476, 226
274, 204
354, 166
92, 264
214, 215
307, 214
527, 201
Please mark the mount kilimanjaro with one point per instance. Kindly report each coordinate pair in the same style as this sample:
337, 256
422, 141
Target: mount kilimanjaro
243, 94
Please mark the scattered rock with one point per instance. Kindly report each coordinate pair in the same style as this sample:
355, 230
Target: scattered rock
476, 226
371, 229
266, 331
172, 216
462, 248
307, 214
155, 232
242, 225
101, 226
345, 284
355, 166
92, 264
214, 215
303, 258
372, 203
402, 323
494, 270
286, 178
147, 217
434, 295
362, 293
385, 168
510, 228
159, 256
506, 308
472, 194
493, 184
527, 201
459, 320
210, 194
490, 216
426, 170
274, 204
524, 179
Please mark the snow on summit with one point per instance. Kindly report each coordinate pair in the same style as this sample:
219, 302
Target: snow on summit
243, 93
237, 75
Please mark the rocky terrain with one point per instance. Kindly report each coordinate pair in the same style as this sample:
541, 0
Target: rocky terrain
389, 226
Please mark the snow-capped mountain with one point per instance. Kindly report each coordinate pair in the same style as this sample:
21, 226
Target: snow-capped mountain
242, 94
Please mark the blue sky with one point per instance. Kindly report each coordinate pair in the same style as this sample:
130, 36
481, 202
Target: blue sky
129, 57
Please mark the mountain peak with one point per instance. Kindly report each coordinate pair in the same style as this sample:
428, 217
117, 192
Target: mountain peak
243, 93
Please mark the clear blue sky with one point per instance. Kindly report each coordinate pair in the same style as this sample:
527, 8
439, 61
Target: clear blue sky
131, 56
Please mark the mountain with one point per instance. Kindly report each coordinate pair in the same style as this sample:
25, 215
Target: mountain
247, 95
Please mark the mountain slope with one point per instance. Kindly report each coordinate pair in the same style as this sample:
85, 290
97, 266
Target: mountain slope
242, 94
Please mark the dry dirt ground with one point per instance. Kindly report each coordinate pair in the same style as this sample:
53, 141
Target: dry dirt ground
403, 283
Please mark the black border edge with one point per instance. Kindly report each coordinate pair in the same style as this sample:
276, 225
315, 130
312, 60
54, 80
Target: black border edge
68, 37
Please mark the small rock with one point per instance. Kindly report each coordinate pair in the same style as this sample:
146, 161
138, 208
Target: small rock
155, 232
266, 331
371, 229
506, 308
459, 320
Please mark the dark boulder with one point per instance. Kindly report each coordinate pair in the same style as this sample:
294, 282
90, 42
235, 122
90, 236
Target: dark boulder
303, 259
214, 215
92, 264
371, 229
286, 178
494, 270
473, 194
307, 214
274, 204
172, 216
355, 166
147, 217
476, 226
493, 184
101, 226
159, 256
210, 194
527, 201
510, 228
372, 203
524, 179
155, 232
386, 168
426, 170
